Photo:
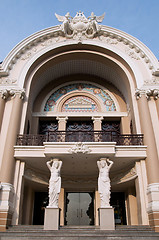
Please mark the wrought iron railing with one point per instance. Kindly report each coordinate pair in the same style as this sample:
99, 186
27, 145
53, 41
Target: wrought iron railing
80, 136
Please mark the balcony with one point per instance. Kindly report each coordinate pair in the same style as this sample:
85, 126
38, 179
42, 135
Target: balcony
80, 136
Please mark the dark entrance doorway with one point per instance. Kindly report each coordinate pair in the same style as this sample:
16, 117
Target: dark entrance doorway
79, 208
118, 202
40, 202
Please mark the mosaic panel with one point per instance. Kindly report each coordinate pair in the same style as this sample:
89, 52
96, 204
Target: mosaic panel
79, 104
101, 93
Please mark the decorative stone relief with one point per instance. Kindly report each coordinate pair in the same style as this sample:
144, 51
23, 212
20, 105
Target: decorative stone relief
7, 81
108, 40
132, 54
124, 176
29, 54
79, 148
152, 81
80, 26
79, 104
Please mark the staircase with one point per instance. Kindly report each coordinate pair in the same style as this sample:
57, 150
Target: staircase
31, 232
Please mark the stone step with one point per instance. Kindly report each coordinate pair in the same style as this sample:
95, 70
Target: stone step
31, 232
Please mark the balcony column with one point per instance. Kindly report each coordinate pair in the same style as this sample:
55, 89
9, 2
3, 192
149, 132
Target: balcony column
97, 121
152, 162
3, 97
62, 123
7, 158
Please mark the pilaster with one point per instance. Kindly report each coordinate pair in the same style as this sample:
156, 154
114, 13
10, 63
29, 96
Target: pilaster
97, 121
62, 123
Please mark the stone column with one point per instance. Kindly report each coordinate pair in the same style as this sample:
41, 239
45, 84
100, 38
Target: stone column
152, 162
18, 186
8, 162
3, 97
7, 156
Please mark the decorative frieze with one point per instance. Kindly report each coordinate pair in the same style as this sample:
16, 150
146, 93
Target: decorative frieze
7, 81
131, 53
79, 148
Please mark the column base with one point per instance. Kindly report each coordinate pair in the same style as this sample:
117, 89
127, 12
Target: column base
153, 205
106, 216
51, 220
6, 206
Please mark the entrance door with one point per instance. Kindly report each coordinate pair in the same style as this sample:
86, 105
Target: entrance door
79, 209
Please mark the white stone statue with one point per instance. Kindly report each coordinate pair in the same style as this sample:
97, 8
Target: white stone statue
54, 166
80, 27
104, 166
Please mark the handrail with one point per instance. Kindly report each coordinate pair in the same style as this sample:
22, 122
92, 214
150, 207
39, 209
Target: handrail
79, 136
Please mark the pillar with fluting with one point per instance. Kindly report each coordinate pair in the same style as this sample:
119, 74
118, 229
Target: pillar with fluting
7, 156
7, 161
152, 162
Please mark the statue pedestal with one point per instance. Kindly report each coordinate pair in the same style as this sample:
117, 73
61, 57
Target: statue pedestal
51, 220
106, 216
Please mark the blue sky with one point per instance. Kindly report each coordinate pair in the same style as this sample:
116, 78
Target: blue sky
21, 18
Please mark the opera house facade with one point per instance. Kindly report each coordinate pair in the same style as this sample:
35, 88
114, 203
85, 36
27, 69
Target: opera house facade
79, 92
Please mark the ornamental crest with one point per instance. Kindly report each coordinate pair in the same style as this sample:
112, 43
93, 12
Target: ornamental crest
80, 26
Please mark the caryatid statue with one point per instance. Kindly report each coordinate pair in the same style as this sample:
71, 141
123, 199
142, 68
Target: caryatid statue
104, 166
54, 166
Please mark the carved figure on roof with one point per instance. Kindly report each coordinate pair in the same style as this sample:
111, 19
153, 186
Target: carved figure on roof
80, 26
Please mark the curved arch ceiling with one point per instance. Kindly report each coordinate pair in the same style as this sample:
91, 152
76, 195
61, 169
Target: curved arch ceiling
102, 68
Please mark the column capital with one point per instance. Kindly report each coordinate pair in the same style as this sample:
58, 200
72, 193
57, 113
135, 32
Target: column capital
62, 119
17, 92
4, 94
97, 119
148, 93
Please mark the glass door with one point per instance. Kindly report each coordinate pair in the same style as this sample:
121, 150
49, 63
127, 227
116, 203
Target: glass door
79, 209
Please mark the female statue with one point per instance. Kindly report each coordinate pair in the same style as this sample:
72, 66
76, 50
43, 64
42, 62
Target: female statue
54, 166
104, 166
